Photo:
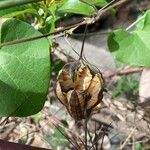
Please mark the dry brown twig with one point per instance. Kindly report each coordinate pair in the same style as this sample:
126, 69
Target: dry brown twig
123, 71
127, 139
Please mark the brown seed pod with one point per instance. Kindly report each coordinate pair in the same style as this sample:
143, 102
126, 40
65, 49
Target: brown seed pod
79, 89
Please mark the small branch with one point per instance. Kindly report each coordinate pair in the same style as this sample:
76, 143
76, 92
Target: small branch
112, 108
12, 3
41, 36
83, 22
127, 139
86, 133
101, 11
125, 71
135, 23
82, 48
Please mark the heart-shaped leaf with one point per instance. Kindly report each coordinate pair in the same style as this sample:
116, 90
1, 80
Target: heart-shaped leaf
24, 70
132, 48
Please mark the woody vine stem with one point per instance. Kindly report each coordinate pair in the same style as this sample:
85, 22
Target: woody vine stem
83, 21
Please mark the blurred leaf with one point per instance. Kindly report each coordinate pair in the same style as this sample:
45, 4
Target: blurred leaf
0, 33
126, 86
65, 123
138, 146
37, 117
99, 3
24, 70
57, 138
16, 11
140, 24
57, 65
132, 48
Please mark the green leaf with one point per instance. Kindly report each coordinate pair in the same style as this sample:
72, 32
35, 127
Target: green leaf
76, 7
57, 138
16, 11
37, 117
132, 48
0, 33
146, 26
125, 86
140, 22
99, 3
138, 146
24, 70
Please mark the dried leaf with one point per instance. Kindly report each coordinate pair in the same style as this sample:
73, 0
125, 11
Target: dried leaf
65, 81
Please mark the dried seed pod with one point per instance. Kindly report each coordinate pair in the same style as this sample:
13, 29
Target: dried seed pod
79, 89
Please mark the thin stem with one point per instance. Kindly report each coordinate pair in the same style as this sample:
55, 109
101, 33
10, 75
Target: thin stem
93, 146
134, 23
95, 133
82, 22
40, 36
82, 48
124, 71
89, 34
65, 135
86, 133
108, 7
11, 114
127, 139
110, 3
102, 140
12, 3
98, 138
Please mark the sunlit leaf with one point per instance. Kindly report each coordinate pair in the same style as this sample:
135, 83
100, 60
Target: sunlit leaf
24, 70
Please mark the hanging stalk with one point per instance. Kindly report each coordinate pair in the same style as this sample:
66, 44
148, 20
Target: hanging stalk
82, 48
11, 3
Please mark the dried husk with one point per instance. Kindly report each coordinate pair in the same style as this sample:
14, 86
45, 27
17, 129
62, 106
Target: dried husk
95, 91
79, 89
83, 78
60, 95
